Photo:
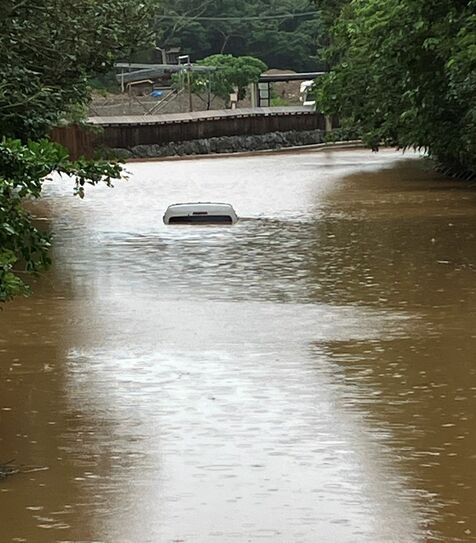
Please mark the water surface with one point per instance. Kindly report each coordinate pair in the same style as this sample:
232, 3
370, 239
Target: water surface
306, 375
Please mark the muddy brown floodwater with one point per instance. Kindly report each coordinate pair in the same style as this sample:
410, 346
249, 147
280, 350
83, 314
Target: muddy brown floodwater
308, 375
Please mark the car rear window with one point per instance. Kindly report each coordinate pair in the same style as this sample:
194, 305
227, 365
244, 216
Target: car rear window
203, 219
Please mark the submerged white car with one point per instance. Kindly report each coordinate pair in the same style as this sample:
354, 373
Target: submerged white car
200, 213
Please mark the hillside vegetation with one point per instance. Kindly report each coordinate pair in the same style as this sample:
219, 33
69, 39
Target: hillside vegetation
283, 34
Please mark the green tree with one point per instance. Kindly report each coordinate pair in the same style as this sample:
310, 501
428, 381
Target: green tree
50, 48
48, 52
233, 73
404, 73
229, 73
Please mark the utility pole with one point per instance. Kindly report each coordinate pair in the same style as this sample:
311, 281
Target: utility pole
189, 79
189, 82
209, 89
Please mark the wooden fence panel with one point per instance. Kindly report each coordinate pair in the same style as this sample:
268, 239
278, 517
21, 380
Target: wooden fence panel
81, 141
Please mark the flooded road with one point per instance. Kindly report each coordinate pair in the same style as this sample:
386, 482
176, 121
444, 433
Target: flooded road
306, 375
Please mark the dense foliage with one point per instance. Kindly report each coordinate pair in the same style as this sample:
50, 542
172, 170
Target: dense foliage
48, 50
197, 26
404, 73
23, 170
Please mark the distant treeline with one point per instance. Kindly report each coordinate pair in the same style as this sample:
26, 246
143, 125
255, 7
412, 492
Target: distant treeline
282, 33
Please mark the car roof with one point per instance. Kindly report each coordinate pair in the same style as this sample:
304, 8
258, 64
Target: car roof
201, 204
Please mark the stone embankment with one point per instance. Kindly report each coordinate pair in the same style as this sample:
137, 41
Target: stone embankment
223, 144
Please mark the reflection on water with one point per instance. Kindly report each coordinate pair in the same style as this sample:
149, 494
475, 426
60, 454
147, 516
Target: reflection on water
307, 371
